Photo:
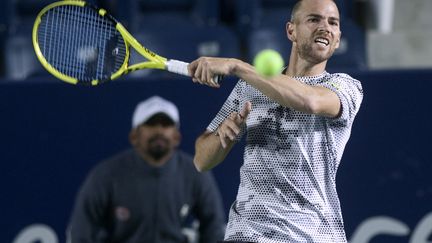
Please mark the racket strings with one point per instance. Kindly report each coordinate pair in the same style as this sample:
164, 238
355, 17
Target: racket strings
80, 43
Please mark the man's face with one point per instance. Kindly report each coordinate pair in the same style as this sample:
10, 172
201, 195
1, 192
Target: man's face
315, 30
155, 138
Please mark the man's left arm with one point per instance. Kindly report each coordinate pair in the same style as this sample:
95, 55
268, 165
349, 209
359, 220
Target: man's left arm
209, 209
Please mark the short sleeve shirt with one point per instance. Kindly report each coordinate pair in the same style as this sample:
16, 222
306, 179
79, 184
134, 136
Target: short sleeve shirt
287, 190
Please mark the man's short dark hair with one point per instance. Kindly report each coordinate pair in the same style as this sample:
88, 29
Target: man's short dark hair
296, 7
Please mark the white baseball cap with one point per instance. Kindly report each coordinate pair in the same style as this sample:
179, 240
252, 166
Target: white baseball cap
151, 106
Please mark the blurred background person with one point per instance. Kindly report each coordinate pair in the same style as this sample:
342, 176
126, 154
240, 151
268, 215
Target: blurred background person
146, 193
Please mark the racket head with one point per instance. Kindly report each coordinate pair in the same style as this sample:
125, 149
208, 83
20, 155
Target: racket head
79, 43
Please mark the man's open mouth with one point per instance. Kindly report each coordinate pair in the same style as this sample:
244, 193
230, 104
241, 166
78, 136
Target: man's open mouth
322, 41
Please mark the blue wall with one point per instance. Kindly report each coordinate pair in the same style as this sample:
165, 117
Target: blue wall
52, 133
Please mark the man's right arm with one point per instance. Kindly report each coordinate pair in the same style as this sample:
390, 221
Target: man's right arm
88, 219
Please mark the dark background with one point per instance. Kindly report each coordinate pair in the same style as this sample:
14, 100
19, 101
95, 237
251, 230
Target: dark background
52, 133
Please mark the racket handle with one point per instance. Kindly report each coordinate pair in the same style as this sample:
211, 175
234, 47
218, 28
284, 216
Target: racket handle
180, 67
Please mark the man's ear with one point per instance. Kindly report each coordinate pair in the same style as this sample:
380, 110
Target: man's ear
290, 30
177, 138
338, 40
133, 136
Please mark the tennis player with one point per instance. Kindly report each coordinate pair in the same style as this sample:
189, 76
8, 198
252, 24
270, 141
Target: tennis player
297, 125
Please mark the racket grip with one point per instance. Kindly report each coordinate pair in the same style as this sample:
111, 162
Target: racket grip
179, 67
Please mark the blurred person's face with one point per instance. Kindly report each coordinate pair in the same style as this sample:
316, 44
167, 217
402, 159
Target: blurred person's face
155, 139
315, 30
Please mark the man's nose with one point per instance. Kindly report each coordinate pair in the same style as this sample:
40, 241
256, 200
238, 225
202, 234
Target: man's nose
324, 26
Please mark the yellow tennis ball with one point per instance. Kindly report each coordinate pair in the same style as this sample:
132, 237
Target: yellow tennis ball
268, 62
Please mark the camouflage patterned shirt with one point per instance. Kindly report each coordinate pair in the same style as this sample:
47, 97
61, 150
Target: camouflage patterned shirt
287, 189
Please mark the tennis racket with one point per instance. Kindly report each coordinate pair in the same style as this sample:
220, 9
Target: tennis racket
80, 43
